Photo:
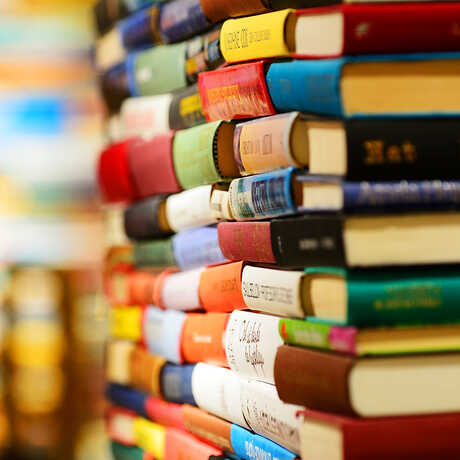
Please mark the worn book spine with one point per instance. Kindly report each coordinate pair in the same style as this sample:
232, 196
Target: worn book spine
197, 247
217, 390
250, 241
127, 397
180, 291
181, 19
220, 288
282, 426
190, 209
126, 323
186, 110
151, 166
143, 220
165, 413
150, 437
406, 148
156, 253
235, 92
253, 446
176, 383
278, 292
251, 341
262, 196
264, 144
146, 116
256, 37
311, 240
314, 379
202, 338
162, 331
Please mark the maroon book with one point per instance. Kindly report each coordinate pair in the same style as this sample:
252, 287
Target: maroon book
427, 437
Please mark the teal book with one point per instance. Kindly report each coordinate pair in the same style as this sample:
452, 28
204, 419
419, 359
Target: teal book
419, 84
394, 296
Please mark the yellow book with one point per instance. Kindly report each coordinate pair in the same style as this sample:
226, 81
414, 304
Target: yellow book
125, 323
257, 37
150, 437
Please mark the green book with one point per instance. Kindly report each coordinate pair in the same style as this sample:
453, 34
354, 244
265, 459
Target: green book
121, 452
382, 297
156, 253
160, 69
203, 155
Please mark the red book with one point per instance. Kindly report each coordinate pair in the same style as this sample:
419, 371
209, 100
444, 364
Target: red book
181, 445
165, 413
428, 437
151, 166
250, 241
114, 177
384, 28
238, 91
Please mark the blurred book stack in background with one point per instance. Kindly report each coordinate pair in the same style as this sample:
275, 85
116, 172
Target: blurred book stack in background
52, 316
282, 193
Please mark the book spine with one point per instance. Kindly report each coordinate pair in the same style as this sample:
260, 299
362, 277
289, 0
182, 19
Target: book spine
197, 248
163, 333
220, 288
141, 285
107, 12
142, 219
115, 86
151, 166
141, 28
314, 379
367, 31
217, 391
282, 425
145, 370
306, 86
255, 37
158, 253
195, 156
117, 356
402, 148
263, 144
190, 209
121, 452
318, 335
415, 194
126, 323
180, 291
273, 291
120, 425
262, 196
165, 413
127, 398
159, 70
150, 437
251, 341
218, 10
208, 427
176, 384
313, 240
220, 203
235, 92
181, 445
253, 446
250, 241
109, 50
202, 338
181, 19
377, 298
186, 110
146, 116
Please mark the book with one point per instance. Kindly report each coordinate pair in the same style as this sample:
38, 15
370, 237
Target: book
119, 424
367, 341
127, 398
336, 437
350, 87
203, 155
288, 191
351, 30
345, 241
373, 298
121, 452
406, 385
115, 87
218, 10
117, 356
125, 322
186, 110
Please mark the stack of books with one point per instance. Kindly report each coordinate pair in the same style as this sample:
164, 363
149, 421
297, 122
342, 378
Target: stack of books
283, 272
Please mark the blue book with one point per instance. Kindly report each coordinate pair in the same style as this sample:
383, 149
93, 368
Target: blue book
176, 383
367, 85
197, 247
127, 397
140, 28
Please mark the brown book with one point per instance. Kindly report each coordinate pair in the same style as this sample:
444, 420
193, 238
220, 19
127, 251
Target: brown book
368, 387
145, 371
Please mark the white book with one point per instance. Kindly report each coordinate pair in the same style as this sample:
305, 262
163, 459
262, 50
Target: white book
181, 291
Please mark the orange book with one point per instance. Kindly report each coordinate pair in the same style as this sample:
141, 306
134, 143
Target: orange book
202, 338
140, 287
208, 427
145, 371
220, 288
181, 445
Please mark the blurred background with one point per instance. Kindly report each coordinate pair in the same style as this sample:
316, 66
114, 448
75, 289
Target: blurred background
52, 313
